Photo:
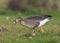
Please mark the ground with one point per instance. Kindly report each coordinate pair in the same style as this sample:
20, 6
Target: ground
20, 34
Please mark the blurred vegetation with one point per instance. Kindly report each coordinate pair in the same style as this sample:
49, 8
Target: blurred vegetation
30, 4
24, 5
20, 34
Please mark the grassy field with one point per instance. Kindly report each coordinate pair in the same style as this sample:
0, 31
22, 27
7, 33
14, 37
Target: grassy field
20, 34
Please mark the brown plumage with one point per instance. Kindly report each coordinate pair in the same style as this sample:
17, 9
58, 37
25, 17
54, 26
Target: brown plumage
33, 21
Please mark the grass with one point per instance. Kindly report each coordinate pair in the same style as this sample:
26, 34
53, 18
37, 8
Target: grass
20, 34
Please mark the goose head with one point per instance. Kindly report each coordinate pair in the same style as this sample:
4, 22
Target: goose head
17, 20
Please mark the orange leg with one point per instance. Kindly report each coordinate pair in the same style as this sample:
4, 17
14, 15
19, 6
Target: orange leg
33, 32
42, 30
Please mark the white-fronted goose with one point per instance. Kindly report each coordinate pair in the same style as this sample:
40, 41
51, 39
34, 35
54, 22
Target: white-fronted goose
34, 21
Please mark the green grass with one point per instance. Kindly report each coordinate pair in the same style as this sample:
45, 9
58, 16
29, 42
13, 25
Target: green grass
20, 34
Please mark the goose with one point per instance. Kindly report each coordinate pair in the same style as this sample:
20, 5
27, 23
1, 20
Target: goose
34, 21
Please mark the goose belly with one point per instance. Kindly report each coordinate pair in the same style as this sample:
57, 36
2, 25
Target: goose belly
28, 25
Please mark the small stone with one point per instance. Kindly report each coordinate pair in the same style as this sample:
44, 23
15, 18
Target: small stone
7, 17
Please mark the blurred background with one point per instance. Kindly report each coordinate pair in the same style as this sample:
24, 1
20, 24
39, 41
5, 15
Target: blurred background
28, 5
11, 9
19, 4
